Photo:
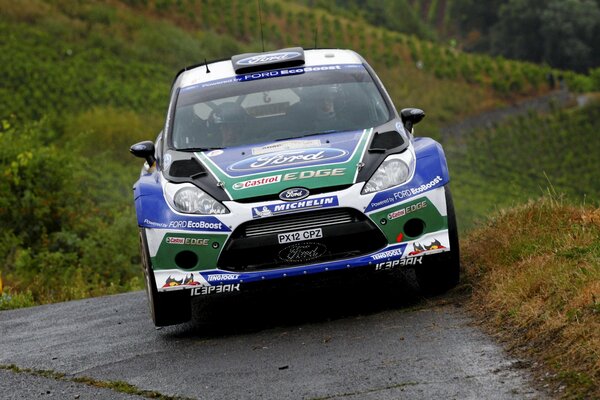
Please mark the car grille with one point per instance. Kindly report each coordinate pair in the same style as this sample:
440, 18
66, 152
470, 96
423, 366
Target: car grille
346, 233
299, 222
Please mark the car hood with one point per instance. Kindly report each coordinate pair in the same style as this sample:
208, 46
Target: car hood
265, 169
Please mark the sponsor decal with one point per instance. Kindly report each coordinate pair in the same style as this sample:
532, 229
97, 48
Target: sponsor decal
388, 253
320, 173
293, 194
215, 226
283, 72
204, 290
398, 263
187, 241
418, 248
407, 210
265, 212
284, 208
291, 145
214, 153
288, 158
426, 186
264, 58
394, 197
187, 281
222, 277
305, 251
156, 224
193, 84
267, 180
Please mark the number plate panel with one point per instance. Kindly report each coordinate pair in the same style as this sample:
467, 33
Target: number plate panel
298, 236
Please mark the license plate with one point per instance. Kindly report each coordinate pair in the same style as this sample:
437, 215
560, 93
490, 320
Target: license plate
298, 236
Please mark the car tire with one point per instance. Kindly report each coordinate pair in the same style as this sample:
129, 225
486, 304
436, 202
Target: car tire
169, 308
444, 273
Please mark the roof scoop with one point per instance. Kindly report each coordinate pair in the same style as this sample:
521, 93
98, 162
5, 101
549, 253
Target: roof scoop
254, 62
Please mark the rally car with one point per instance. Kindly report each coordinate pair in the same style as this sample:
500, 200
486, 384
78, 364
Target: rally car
284, 164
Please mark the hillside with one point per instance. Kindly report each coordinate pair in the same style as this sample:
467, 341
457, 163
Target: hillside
84, 80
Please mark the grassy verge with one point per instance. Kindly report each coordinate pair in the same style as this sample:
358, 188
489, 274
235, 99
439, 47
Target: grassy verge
535, 272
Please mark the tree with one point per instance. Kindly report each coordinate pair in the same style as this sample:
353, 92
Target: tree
561, 33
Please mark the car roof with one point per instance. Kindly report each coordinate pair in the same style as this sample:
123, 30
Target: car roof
225, 68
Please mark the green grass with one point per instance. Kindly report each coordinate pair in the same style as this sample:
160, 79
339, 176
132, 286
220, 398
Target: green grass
117, 386
535, 273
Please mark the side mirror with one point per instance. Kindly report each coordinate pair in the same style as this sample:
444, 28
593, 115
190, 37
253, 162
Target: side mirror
144, 150
411, 117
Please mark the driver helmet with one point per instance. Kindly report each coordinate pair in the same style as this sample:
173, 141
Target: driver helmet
228, 119
323, 100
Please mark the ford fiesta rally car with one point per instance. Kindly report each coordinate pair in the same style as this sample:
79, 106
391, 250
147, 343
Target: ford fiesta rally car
284, 164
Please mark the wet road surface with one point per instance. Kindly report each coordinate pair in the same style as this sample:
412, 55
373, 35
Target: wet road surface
364, 340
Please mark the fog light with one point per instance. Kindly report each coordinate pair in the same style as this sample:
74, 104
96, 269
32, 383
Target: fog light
414, 227
186, 259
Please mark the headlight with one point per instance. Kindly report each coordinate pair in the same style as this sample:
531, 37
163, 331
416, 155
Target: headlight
394, 171
189, 199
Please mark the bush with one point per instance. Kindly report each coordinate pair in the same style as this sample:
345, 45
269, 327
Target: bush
61, 242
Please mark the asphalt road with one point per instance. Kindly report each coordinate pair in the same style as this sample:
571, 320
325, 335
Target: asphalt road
365, 340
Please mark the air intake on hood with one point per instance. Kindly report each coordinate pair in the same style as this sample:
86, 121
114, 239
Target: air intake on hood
186, 168
385, 141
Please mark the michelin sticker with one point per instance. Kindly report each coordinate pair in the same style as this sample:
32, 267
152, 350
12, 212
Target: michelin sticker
284, 208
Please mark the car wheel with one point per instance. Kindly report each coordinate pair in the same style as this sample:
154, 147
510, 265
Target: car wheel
165, 308
444, 273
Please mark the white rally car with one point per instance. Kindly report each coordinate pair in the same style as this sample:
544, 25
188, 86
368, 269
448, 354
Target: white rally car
284, 164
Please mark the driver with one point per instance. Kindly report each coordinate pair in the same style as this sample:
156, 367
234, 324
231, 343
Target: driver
321, 102
229, 120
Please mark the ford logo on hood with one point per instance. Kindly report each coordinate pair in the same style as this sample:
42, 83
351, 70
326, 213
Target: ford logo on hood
293, 194
288, 159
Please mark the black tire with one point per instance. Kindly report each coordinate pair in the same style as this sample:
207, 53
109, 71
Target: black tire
443, 274
165, 308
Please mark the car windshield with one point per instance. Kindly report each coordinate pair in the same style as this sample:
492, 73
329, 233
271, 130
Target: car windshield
276, 105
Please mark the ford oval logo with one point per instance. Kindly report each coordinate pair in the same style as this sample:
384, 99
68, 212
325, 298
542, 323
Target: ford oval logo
300, 252
288, 158
293, 194
273, 57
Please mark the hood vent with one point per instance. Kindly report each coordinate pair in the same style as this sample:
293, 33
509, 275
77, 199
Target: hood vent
385, 141
187, 168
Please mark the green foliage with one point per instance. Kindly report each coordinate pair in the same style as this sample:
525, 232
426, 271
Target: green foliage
525, 158
394, 15
61, 242
19, 300
562, 33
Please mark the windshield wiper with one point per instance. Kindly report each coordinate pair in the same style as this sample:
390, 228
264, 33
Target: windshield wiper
308, 134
